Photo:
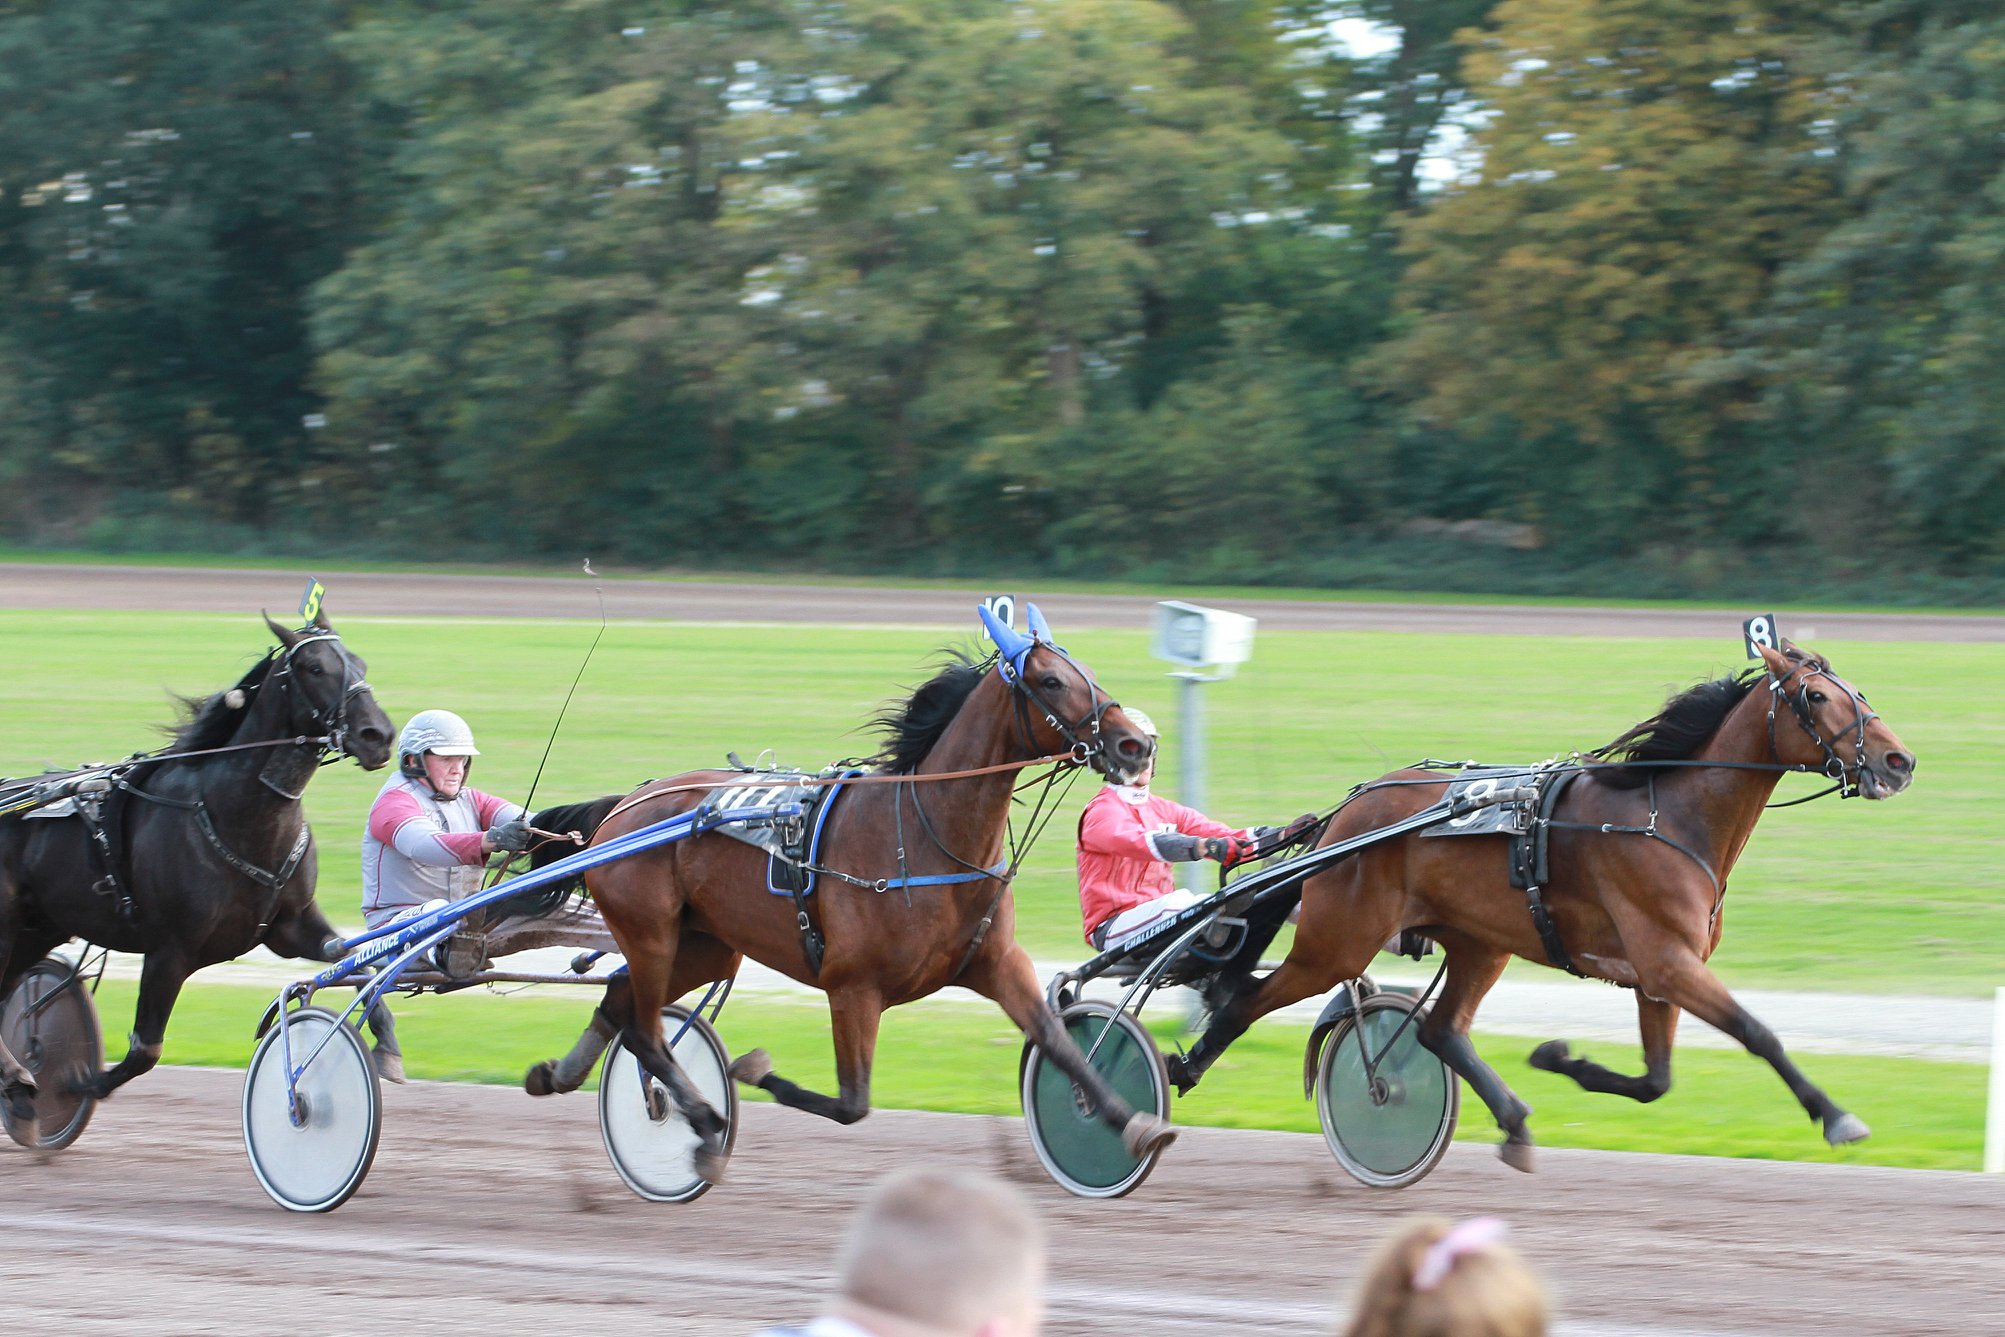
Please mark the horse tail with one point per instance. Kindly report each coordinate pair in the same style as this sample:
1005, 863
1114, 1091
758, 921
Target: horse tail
580, 821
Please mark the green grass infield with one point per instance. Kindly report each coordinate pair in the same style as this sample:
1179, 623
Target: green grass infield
1895, 897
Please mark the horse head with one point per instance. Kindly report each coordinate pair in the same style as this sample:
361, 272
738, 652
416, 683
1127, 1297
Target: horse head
327, 693
1837, 732
1061, 707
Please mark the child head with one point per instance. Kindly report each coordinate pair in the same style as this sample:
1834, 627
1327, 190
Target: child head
1435, 1278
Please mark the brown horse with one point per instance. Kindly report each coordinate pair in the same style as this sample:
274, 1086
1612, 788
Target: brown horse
1641, 848
912, 896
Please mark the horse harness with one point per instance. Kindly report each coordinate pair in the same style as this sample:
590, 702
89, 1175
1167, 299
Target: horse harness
94, 795
1082, 739
1541, 788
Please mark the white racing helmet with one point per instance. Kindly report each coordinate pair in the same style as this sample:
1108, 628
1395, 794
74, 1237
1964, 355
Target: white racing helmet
438, 731
1141, 721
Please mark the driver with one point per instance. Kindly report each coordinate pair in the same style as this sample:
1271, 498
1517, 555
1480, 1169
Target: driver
1128, 838
428, 839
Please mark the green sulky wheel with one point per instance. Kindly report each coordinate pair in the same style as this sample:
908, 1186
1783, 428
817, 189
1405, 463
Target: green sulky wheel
1387, 1104
1077, 1149
50, 1024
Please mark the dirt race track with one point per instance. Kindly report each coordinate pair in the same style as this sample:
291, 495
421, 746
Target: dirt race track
202, 589
488, 1212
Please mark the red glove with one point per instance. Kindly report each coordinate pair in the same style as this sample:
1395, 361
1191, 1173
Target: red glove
1229, 850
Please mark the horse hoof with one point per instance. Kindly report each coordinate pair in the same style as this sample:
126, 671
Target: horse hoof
1145, 1134
1517, 1155
1550, 1056
1846, 1128
389, 1066
710, 1161
752, 1067
1180, 1074
541, 1080
22, 1126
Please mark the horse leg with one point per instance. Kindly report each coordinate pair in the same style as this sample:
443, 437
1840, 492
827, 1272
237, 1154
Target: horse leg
1657, 1020
304, 934
160, 979
556, 1077
853, 1016
1294, 979
699, 959
648, 975
1472, 969
1012, 983
17, 1084
1683, 980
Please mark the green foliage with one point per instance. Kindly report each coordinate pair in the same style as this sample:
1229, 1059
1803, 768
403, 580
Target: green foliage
915, 283
172, 179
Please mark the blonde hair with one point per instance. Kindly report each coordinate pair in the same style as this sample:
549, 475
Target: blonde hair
1472, 1286
947, 1250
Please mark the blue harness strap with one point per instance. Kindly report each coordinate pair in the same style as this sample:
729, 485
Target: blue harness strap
996, 869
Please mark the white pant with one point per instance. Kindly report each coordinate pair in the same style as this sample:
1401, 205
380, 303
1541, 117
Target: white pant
1137, 920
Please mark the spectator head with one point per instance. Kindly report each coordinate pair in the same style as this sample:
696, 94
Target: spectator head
1434, 1278
939, 1252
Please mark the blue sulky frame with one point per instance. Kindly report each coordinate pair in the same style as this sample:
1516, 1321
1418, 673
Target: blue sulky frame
382, 955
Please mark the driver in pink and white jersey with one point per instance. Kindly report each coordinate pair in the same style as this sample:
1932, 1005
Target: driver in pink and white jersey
1128, 838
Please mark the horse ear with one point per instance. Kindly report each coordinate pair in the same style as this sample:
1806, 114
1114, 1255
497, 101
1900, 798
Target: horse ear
1039, 628
320, 619
1011, 642
286, 638
1778, 663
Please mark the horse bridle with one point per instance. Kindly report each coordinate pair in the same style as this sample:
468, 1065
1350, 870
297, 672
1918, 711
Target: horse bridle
332, 719
1081, 737
1845, 774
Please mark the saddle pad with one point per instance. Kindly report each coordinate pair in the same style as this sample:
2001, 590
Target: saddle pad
790, 842
1491, 819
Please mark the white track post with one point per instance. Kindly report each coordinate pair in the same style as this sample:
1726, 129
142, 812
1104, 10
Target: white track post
1190, 747
1994, 1118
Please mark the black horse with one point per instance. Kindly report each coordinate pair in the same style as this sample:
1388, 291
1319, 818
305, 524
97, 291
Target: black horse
197, 860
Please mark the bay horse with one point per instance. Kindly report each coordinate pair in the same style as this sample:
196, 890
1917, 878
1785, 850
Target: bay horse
208, 855
914, 893
1641, 846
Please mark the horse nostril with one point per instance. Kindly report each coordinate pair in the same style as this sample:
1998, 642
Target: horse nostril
1900, 761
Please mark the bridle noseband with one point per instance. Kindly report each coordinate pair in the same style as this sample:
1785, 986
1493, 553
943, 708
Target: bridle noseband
330, 720
1846, 775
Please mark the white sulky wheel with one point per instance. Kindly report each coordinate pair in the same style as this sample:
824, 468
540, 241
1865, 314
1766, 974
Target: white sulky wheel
1388, 1128
649, 1142
317, 1163
50, 1024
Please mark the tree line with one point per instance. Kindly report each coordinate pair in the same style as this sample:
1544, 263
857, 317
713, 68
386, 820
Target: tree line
1644, 296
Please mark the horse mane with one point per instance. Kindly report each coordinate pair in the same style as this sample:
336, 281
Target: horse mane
209, 721
1674, 733
913, 726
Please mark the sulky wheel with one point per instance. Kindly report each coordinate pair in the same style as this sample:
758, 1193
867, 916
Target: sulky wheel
1077, 1148
50, 1023
314, 1159
649, 1142
1387, 1104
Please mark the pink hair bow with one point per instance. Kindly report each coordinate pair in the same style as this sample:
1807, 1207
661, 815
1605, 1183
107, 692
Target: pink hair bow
1478, 1232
